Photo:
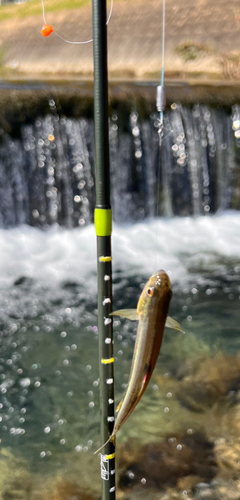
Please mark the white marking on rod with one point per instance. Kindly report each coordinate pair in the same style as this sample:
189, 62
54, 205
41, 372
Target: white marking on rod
106, 301
112, 489
112, 472
106, 277
110, 419
108, 340
109, 381
110, 401
107, 321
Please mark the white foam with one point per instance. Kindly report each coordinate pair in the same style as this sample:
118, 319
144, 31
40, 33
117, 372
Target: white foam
60, 254
172, 243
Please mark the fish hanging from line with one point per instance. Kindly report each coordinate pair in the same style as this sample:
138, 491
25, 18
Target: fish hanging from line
152, 316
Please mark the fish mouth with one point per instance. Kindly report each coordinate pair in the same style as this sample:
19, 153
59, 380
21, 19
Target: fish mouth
161, 279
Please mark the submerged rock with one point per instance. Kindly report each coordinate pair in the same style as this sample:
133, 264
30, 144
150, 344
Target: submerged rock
68, 490
70, 285
23, 280
228, 458
209, 382
16, 482
162, 464
217, 490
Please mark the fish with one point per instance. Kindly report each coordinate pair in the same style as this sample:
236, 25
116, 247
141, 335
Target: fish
152, 316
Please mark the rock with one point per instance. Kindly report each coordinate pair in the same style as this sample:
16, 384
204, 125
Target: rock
15, 480
228, 458
218, 490
23, 280
230, 418
68, 490
203, 491
163, 464
210, 381
70, 285
187, 483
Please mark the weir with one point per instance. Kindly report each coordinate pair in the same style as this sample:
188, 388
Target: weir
47, 168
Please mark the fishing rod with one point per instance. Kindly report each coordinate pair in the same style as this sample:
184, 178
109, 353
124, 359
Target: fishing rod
103, 225
161, 96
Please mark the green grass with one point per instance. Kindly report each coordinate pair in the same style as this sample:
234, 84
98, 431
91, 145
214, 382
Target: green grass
34, 8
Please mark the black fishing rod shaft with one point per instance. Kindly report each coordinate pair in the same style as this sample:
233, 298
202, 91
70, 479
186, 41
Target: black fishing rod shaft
103, 224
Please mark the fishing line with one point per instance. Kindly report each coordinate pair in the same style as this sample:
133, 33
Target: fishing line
160, 104
161, 96
47, 29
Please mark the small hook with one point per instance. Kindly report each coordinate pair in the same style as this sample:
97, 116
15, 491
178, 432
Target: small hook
160, 132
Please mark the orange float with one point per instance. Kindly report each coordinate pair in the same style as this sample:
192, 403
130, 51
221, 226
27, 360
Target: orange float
46, 30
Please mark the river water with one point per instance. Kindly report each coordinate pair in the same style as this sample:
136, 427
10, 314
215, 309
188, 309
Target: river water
49, 408
182, 441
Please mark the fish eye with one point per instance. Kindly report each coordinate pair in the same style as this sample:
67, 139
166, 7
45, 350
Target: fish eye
150, 291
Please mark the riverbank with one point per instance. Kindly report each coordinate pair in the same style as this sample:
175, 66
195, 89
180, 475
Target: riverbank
202, 41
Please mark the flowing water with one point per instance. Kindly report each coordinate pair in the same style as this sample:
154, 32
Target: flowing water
47, 171
49, 407
49, 386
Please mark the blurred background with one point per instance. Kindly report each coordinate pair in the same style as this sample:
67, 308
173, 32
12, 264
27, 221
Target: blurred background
202, 39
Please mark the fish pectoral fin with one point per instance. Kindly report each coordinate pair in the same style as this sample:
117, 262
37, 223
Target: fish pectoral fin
171, 323
126, 313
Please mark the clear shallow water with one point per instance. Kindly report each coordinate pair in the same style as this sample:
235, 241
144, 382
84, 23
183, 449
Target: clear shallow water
48, 329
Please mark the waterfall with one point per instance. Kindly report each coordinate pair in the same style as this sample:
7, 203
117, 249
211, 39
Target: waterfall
47, 170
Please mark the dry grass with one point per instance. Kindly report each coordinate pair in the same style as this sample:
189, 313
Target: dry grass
201, 38
190, 50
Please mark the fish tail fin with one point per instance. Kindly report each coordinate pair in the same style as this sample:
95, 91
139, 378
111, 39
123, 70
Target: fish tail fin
112, 438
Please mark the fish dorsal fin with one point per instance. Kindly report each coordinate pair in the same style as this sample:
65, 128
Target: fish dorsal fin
126, 313
171, 323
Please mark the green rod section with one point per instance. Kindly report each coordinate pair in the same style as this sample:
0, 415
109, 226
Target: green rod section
103, 224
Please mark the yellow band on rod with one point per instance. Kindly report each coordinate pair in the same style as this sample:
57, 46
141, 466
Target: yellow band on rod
103, 221
109, 457
105, 259
107, 361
